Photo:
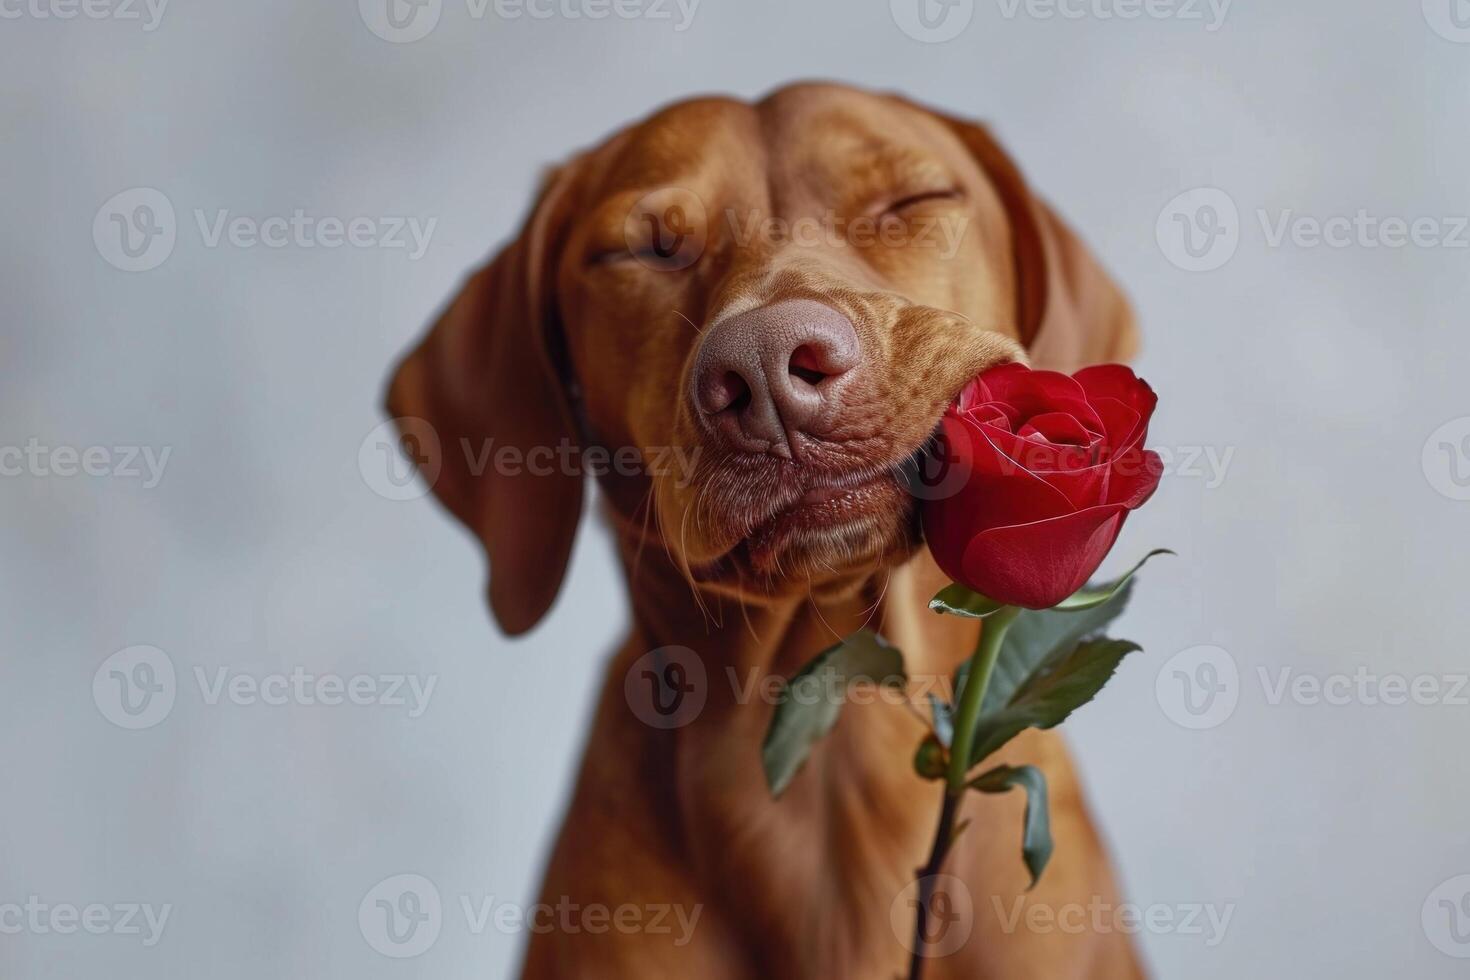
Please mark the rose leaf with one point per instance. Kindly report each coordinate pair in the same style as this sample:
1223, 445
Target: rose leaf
1095, 595
1038, 636
1056, 688
811, 701
1036, 841
960, 601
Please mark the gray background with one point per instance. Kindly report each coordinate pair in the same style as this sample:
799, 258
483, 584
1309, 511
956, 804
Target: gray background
1329, 545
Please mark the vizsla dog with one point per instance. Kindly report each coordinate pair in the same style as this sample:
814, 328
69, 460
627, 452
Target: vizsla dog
787, 293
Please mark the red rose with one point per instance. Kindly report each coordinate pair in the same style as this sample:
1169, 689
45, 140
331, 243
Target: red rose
1051, 467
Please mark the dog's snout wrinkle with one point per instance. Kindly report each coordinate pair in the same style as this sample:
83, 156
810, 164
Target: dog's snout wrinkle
766, 376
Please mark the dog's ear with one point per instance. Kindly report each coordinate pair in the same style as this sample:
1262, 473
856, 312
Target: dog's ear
1070, 312
488, 381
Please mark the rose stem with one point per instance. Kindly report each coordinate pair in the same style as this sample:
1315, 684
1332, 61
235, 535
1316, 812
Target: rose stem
967, 717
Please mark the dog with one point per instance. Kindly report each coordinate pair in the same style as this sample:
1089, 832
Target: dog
751, 286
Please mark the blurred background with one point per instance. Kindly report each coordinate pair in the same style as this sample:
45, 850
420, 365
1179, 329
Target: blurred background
191, 519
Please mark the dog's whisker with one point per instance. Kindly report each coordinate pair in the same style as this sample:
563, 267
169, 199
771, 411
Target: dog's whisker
688, 321
689, 574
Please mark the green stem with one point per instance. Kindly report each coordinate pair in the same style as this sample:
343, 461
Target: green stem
967, 712
967, 716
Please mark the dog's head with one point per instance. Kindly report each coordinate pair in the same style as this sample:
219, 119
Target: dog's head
746, 320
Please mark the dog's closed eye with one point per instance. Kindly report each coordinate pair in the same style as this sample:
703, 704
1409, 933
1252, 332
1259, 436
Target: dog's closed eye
908, 201
652, 255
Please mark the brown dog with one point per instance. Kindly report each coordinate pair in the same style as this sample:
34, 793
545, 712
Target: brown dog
787, 293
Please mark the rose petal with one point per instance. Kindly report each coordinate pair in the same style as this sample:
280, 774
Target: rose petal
1060, 429
1135, 477
1082, 487
1038, 565
992, 413
1123, 426
995, 490
1031, 393
1118, 381
978, 391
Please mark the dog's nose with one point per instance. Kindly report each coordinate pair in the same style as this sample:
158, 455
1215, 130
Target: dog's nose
764, 376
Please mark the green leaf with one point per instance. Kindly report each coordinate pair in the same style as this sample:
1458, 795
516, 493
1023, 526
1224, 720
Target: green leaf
1036, 844
813, 699
1090, 596
1058, 686
1036, 635
960, 601
943, 719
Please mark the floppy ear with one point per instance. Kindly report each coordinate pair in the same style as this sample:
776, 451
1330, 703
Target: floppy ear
1070, 312
486, 379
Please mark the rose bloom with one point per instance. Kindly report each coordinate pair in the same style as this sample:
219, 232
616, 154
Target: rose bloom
1049, 467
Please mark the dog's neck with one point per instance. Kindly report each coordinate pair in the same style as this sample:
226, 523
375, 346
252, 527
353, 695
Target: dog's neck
849, 832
